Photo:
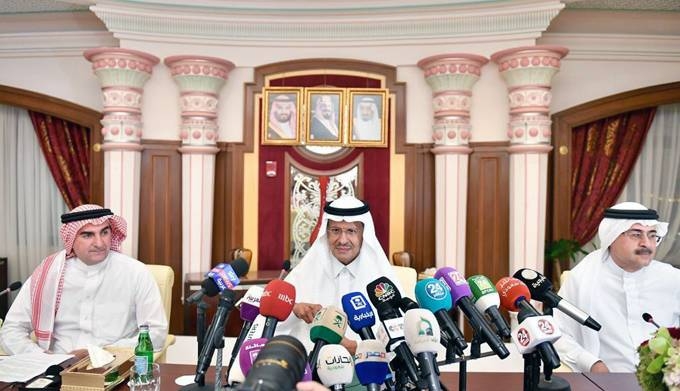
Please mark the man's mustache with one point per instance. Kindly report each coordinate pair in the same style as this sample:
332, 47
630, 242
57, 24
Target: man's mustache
643, 251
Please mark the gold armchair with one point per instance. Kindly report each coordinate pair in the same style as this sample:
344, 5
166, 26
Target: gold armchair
165, 278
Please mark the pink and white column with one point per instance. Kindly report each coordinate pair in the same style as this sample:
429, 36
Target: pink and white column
200, 80
528, 72
451, 77
122, 73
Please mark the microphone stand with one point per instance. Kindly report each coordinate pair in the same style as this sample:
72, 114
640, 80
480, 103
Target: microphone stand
201, 306
216, 341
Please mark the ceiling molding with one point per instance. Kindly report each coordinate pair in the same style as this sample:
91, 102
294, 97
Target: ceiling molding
616, 47
53, 44
361, 26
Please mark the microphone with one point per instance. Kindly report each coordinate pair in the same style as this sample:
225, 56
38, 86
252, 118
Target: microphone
385, 297
328, 327
649, 319
434, 296
214, 335
222, 276
370, 364
460, 294
486, 300
249, 308
278, 366
276, 304
12, 287
360, 317
407, 304
248, 353
535, 331
284, 269
422, 332
541, 289
335, 367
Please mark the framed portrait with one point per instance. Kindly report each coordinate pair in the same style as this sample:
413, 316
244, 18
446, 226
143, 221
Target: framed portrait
324, 116
281, 116
368, 117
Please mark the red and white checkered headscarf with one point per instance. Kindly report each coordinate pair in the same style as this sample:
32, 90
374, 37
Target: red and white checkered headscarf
69, 231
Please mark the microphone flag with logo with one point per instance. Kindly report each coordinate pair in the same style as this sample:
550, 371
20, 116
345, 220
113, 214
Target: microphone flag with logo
535, 331
335, 366
542, 290
386, 298
328, 327
371, 364
461, 295
434, 296
422, 335
488, 301
276, 304
360, 315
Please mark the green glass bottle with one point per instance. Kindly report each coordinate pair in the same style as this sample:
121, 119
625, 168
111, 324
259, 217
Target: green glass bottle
144, 351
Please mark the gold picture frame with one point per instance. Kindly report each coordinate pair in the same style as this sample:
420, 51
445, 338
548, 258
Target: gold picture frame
367, 117
282, 116
324, 116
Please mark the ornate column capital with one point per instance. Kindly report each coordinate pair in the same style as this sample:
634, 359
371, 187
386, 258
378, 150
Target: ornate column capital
199, 79
451, 77
528, 73
122, 73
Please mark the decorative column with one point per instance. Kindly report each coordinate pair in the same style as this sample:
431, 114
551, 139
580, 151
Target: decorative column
122, 73
200, 80
451, 77
528, 72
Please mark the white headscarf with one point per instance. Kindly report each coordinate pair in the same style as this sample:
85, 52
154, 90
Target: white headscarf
611, 227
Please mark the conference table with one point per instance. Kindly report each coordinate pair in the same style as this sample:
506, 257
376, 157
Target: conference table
477, 381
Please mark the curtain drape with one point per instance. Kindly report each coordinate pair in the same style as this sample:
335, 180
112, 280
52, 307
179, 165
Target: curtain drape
66, 147
603, 155
654, 179
30, 202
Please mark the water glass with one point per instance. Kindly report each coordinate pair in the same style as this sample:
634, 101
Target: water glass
149, 381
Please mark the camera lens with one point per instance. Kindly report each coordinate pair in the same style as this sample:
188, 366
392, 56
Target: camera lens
279, 365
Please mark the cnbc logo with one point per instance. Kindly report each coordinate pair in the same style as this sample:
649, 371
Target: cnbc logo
435, 290
384, 291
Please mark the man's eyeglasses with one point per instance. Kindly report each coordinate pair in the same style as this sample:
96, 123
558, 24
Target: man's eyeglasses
637, 235
350, 232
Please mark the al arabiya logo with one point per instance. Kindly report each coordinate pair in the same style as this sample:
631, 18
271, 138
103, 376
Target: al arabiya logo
435, 290
384, 291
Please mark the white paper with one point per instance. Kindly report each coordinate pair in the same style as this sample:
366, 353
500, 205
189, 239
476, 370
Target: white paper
26, 366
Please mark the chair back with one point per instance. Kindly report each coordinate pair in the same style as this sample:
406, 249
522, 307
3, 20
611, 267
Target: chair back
407, 277
402, 258
165, 278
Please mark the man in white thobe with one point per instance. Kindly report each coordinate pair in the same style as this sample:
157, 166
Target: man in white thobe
86, 294
615, 285
344, 258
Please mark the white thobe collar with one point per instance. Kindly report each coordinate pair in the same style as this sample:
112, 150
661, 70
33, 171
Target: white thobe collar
338, 267
89, 269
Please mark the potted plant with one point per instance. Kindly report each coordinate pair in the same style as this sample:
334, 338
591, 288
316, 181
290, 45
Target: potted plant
562, 250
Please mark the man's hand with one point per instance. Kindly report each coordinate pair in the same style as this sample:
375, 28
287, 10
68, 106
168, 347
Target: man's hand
350, 345
599, 367
310, 386
306, 311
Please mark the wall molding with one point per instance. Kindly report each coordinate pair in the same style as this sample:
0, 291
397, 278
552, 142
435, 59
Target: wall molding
616, 47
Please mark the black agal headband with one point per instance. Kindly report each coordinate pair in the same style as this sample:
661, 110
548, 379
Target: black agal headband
346, 212
85, 215
649, 214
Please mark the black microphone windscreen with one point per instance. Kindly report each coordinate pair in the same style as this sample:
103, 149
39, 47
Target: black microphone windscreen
647, 317
286, 265
240, 266
15, 285
278, 366
210, 287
